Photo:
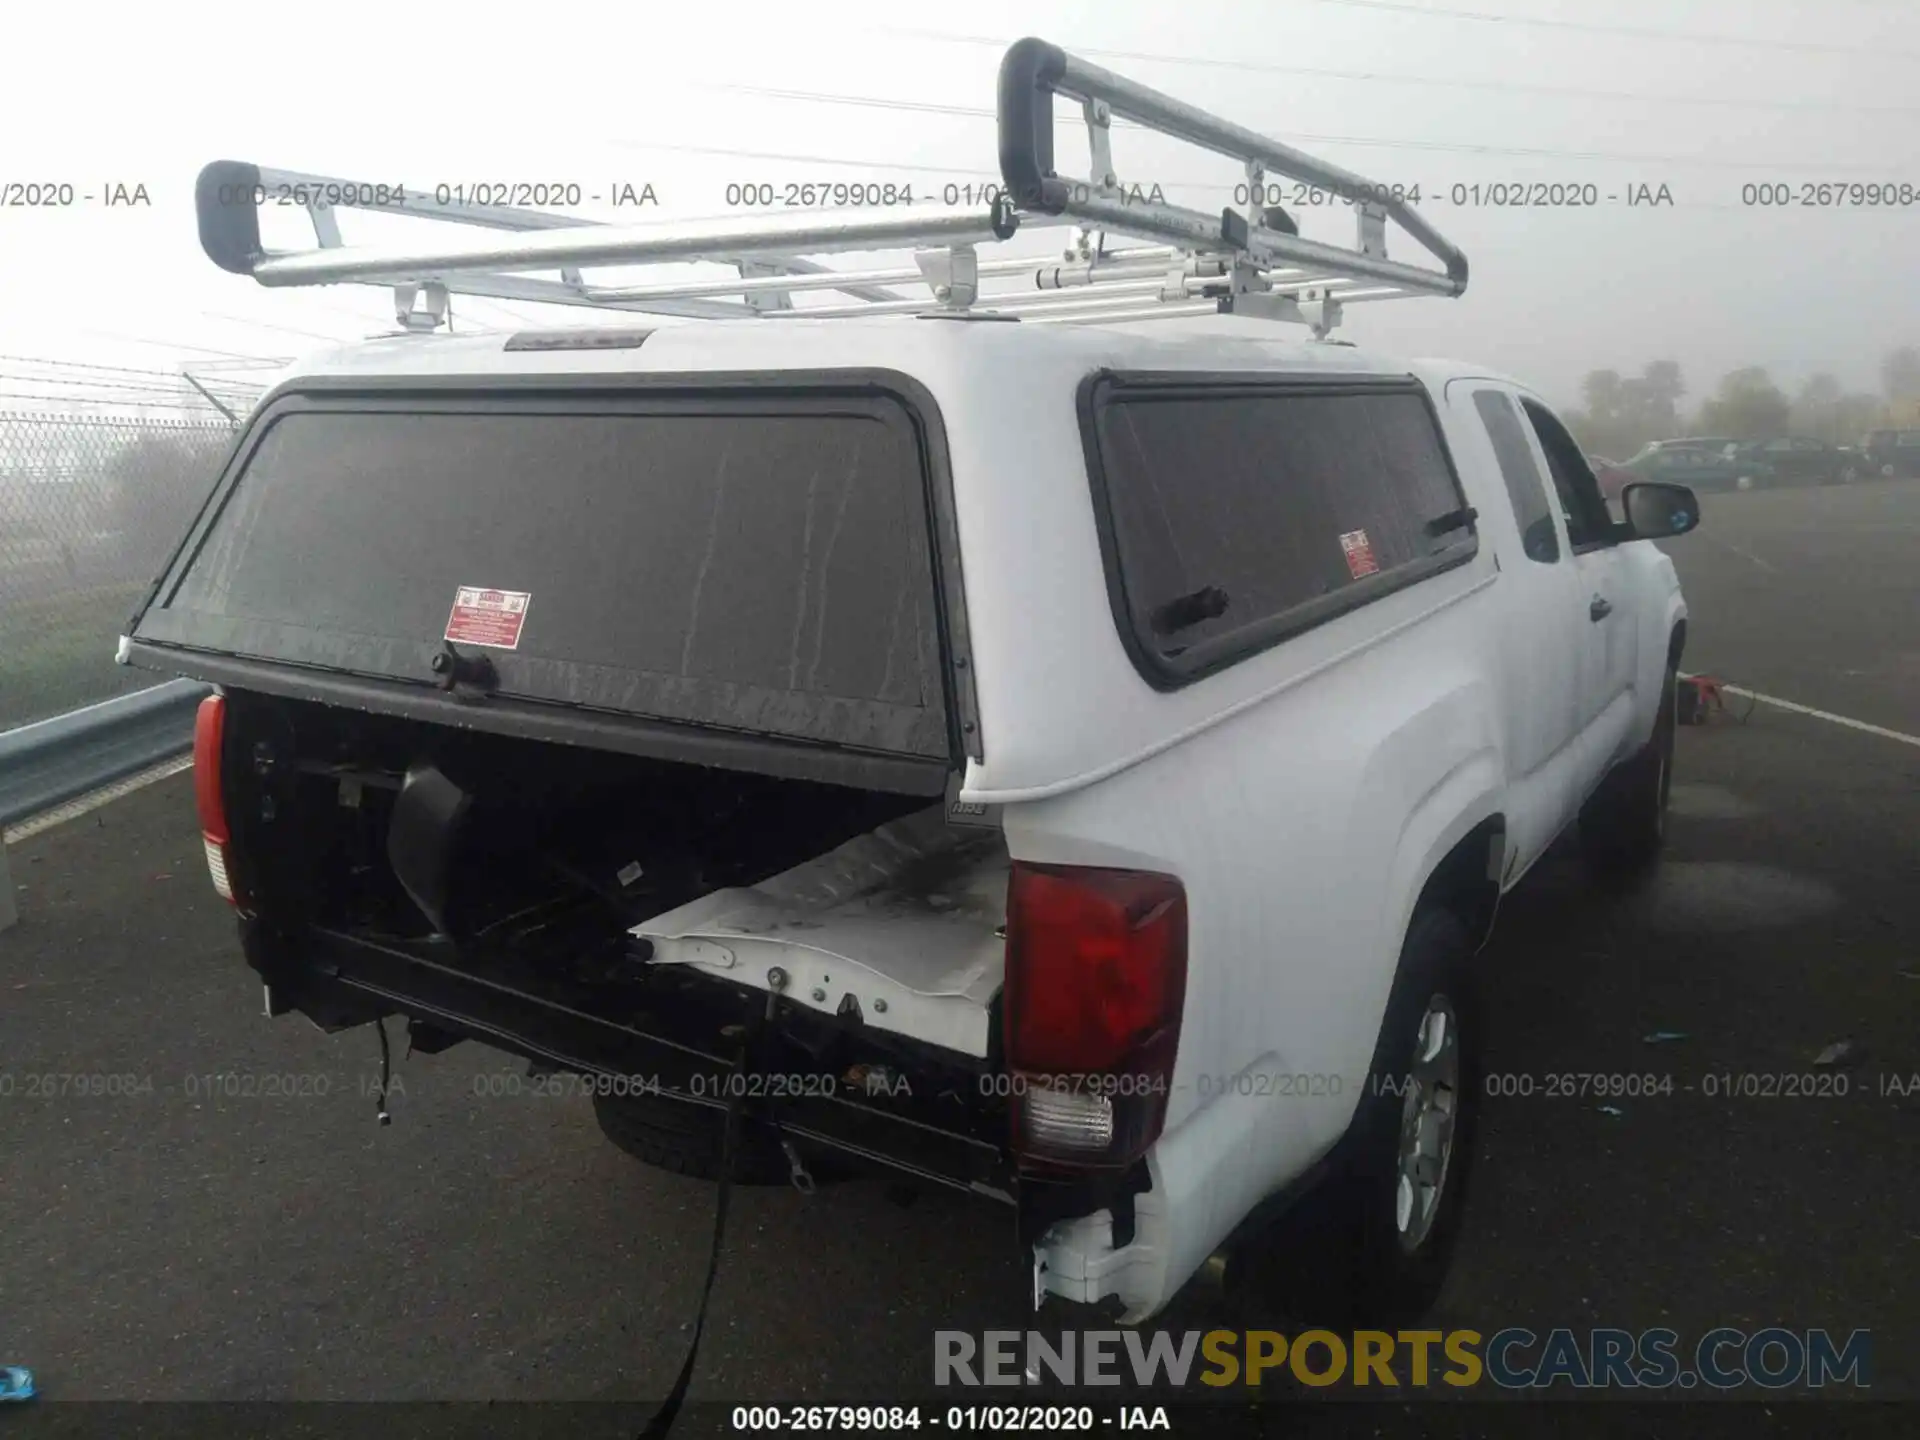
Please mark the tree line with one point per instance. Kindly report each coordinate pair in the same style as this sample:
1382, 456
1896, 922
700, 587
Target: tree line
1622, 413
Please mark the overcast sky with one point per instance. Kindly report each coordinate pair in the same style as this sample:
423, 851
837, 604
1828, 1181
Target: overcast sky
1404, 91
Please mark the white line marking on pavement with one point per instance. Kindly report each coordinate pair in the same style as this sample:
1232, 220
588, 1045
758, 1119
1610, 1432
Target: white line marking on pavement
1744, 554
1826, 715
74, 809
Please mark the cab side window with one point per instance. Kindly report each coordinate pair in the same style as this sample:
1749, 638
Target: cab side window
1526, 486
1580, 500
1240, 511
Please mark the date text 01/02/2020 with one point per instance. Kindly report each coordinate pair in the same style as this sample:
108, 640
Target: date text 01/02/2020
1304, 1085
908, 1419
55, 194
523, 194
1500, 194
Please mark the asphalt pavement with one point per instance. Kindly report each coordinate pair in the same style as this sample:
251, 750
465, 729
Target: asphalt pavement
1811, 595
184, 1236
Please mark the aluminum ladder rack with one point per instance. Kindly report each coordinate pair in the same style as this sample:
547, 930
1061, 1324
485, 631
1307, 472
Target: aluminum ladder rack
1181, 261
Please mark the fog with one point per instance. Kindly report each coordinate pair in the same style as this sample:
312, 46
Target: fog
1495, 825
689, 99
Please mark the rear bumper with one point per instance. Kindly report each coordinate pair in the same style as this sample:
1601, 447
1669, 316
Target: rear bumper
1107, 1237
341, 979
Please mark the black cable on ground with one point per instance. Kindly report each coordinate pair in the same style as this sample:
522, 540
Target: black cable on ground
386, 1071
669, 1410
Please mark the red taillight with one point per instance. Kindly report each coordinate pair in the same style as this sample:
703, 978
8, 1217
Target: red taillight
209, 729
1096, 977
209, 733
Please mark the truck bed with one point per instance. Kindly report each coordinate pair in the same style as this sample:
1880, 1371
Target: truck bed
901, 926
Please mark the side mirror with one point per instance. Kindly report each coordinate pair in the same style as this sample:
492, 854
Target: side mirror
1659, 512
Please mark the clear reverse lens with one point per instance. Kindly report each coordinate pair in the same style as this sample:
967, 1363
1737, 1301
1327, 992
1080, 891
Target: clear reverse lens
217, 869
1067, 1120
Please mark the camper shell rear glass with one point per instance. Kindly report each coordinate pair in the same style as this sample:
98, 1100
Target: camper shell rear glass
754, 559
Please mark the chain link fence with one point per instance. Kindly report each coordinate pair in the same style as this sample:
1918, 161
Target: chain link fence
91, 506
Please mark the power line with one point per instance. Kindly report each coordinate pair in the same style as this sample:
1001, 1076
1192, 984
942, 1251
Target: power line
185, 406
993, 176
471, 300
905, 167
180, 404
142, 377
1433, 12
264, 325
86, 365
1519, 151
109, 370
131, 387
178, 346
1637, 32
514, 314
269, 363
1263, 67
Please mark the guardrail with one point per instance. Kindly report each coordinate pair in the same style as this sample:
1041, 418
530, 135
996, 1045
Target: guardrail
48, 763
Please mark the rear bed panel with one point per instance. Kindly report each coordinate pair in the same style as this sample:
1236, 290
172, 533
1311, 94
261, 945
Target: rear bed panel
902, 927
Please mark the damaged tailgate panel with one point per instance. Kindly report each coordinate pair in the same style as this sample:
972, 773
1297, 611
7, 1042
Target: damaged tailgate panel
902, 928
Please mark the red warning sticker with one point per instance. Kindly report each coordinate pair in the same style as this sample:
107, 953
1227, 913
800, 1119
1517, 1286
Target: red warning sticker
1359, 550
488, 617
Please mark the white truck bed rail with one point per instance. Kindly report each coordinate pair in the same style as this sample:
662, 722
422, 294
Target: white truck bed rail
1250, 261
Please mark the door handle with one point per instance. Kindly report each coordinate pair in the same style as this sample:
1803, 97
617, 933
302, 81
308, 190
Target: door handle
1600, 608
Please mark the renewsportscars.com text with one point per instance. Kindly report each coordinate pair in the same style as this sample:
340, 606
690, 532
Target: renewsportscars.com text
1515, 1358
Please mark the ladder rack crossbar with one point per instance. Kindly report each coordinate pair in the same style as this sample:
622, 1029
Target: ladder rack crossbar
1180, 261
1033, 72
320, 194
1118, 262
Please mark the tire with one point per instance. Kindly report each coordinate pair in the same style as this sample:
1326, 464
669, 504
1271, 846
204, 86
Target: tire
686, 1138
1624, 824
1356, 1252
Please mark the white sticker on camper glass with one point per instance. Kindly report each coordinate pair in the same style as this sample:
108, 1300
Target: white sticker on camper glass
1359, 550
488, 617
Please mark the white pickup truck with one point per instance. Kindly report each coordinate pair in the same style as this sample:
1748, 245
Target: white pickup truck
1072, 762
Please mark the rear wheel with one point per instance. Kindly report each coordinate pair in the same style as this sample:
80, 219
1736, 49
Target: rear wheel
1372, 1244
1624, 824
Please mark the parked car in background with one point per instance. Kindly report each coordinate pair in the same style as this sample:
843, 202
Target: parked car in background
1892, 452
1613, 477
1695, 464
1800, 458
1696, 442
